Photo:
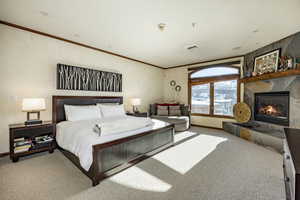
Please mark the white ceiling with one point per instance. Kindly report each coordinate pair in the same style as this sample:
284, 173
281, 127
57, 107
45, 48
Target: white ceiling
129, 27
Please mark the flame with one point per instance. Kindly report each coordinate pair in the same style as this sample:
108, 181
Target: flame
269, 110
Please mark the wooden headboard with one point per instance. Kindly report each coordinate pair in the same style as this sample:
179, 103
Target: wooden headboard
58, 102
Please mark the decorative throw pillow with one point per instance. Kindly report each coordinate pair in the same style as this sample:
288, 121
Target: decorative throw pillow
162, 112
162, 107
174, 112
174, 107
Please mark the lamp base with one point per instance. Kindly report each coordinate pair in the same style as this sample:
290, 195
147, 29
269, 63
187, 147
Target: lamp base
135, 109
33, 122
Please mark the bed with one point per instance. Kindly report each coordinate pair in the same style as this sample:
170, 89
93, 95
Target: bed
113, 156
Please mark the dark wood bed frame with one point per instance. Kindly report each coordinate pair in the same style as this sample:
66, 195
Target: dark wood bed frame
114, 156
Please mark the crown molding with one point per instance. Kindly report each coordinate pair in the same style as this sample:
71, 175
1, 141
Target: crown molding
203, 62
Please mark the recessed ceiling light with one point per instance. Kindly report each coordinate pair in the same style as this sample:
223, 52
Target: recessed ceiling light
45, 14
236, 48
161, 26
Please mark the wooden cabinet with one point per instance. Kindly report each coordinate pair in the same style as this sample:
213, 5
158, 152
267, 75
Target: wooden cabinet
291, 163
29, 135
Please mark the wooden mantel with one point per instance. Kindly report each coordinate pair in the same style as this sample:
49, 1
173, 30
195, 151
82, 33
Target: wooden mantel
292, 72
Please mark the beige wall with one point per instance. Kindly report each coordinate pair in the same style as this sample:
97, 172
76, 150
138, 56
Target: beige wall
28, 69
180, 75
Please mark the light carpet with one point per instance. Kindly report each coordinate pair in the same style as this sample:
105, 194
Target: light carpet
205, 164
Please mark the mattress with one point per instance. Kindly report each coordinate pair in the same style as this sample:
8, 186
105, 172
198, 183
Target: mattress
79, 137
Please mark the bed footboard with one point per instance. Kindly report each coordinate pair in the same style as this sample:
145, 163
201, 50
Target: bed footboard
113, 157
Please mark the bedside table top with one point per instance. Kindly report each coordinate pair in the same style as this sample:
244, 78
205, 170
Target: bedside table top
22, 125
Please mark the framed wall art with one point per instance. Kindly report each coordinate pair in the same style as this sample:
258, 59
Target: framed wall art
79, 78
266, 63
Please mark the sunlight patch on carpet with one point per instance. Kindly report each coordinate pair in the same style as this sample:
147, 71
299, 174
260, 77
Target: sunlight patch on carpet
137, 178
185, 156
182, 135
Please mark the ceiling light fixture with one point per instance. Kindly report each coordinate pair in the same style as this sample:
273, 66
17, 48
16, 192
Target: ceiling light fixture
255, 31
161, 26
194, 24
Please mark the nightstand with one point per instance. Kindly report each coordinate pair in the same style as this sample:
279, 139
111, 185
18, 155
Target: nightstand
140, 114
29, 139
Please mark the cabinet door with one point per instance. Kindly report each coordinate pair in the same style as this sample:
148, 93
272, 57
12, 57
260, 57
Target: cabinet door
289, 171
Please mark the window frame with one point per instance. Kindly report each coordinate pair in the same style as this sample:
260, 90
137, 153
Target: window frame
211, 80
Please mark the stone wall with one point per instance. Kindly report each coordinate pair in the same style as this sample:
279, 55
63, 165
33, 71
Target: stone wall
290, 46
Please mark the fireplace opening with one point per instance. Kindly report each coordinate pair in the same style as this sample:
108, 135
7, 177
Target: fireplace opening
272, 107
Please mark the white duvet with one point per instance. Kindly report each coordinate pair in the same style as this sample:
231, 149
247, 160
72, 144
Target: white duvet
79, 137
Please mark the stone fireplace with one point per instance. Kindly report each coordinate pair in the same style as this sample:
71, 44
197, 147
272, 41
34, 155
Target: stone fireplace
272, 107
290, 85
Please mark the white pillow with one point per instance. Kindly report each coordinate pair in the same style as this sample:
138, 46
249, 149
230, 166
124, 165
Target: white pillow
112, 110
77, 113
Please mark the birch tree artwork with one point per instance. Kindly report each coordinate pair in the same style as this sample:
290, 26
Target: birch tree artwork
78, 78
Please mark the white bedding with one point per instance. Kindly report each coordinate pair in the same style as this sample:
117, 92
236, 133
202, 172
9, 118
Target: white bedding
79, 137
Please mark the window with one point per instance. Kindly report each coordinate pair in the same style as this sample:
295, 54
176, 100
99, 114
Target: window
200, 98
225, 96
215, 71
214, 91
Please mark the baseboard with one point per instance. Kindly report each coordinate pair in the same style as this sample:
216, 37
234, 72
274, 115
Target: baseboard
207, 127
4, 154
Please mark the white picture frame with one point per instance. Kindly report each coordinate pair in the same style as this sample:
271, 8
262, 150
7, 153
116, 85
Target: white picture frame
267, 63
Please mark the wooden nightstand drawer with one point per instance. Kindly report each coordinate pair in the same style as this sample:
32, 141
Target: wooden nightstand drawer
33, 131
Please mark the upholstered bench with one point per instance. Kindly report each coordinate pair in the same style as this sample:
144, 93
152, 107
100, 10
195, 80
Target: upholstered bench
181, 122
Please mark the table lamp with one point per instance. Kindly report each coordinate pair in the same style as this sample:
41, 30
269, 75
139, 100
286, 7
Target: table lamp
33, 106
135, 102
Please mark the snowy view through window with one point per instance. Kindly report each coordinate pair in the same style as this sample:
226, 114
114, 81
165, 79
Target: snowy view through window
224, 95
200, 99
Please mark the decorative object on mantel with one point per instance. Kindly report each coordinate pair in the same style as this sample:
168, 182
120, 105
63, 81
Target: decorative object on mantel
254, 73
78, 78
292, 72
286, 63
33, 106
297, 63
247, 74
242, 112
266, 63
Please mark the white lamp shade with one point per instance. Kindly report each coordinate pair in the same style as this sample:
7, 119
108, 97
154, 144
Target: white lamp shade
135, 101
33, 104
